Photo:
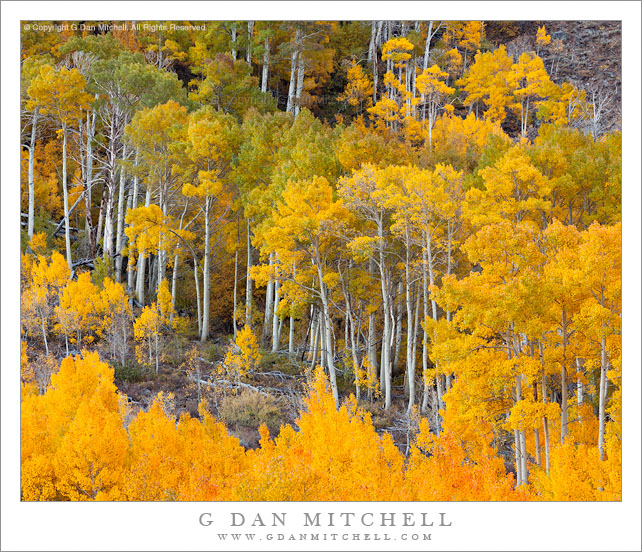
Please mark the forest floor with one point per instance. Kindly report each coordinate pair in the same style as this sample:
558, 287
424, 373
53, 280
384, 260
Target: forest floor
273, 393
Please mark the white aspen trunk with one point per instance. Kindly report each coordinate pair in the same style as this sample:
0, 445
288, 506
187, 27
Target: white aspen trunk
602, 405
522, 438
142, 261
293, 67
518, 457
269, 302
236, 277
315, 339
120, 221
424, 349
32, 188
538, 448
266, 66
234, 41
44, 335
66, 197
205, 330
327, 334
580, 386
275, 317
375, 63
174, 280
89, 170
248, 281
545, 419
427, 49
372, 44
299, 83
131, 272
322, 352
162, 254
410, 359
250, 29
398, 325
291, 336
197, 285
386, 366
564, 384
156, 347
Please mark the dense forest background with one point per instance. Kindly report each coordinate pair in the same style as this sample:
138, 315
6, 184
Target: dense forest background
427, 211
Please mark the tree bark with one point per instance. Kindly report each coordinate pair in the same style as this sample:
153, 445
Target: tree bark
120, 220
293, 67
603, 389
205, 330
299, 83
266, 66
250, 29
142, 261
275, 318
32, 188
66, 198
248, 280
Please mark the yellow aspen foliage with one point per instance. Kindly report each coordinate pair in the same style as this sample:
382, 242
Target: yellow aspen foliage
486, 83
91, 455
530, 84
46, 279
147, 328
243, 356
154, 466
578, 474
80, 311
46, 420
336, 455
460, 141
439, 468
542, 38
358, 90
45, 178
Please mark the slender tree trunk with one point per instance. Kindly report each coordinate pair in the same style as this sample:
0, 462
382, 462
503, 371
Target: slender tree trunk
564, 421
602, 405
266, 66
248, 280
427, 49
44, 336
327, 338
315, 338
269, 302
293, 67
410, 359
66, 197
32, 188
131, 272
538, 448
299, 83
197, 285
142, 261
236, 276
250, 29
234, 41
275, 317
545, 419
291, 336
174, 281
120, 221
518, 457
206, 275
386, 366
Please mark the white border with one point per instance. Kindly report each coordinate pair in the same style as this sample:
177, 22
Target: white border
476, 526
